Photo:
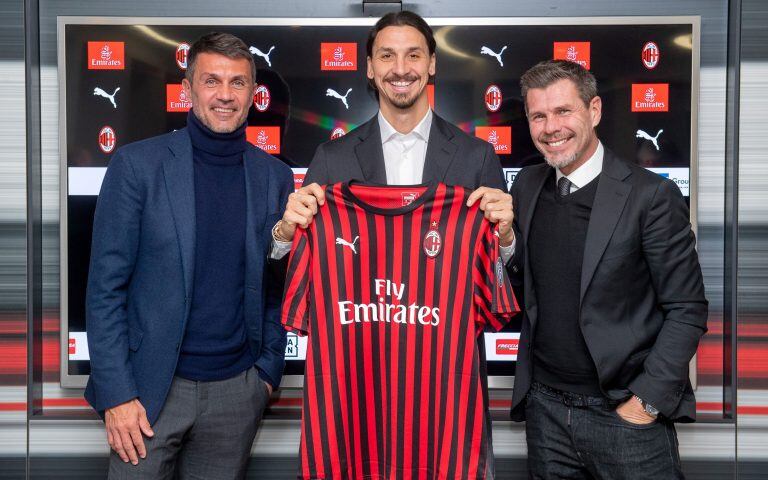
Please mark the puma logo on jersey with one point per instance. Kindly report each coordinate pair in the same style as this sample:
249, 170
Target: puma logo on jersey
342, 242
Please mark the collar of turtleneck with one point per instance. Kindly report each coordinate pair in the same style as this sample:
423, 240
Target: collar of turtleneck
213, 147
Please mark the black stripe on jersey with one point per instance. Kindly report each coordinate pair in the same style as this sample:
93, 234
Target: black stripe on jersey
318, 353
336, 345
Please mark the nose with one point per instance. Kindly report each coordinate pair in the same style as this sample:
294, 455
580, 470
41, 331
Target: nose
225, 93
400, 67
551, 124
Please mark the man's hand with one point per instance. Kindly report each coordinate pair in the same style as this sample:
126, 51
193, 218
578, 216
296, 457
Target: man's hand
497, 207
125, 423
300, 210
633, 412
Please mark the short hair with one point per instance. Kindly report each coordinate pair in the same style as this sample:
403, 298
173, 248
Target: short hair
401, 19
545, 73
220, 43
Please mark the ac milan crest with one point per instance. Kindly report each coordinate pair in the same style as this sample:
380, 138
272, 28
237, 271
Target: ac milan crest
261, 98
432, 241
337, 132
181, 55
107, 139
493, 98
651, 55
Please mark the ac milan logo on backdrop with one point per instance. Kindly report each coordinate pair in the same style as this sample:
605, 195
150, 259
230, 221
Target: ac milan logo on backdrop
493, 98
181, 55
261, 98
337, 132
651, 55
107, 139
432, 241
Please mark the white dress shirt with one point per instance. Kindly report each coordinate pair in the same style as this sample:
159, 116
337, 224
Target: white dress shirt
404, 153
585, 173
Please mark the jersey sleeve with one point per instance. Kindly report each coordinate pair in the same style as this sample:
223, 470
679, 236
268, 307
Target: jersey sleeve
295, 316
495, 301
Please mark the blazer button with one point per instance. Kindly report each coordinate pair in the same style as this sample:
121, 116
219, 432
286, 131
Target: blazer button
514, 268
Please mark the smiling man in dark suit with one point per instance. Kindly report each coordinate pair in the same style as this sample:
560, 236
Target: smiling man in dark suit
406, 143
183, 314
614, 298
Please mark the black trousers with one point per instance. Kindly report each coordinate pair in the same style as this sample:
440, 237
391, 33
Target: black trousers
581, 437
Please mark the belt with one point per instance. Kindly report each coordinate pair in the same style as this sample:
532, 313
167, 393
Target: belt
572, 399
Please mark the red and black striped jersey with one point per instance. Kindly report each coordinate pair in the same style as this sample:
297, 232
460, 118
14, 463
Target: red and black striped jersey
393, 285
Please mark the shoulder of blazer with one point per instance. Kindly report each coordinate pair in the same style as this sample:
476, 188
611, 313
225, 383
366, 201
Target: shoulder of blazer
154, 146
272, 163
351, 139
622, 170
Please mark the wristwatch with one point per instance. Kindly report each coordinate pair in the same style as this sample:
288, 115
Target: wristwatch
649, 409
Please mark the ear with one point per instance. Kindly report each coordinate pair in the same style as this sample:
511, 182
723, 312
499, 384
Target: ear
432, 63
596, 110
369, 71
187, 87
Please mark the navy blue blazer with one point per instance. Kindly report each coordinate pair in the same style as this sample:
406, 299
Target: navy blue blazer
141, 274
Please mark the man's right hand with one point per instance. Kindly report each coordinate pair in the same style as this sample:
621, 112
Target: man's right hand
300, 210
125, 423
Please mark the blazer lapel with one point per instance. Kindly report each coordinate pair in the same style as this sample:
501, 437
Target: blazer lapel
538, 178
370, 154
610, 199
256, 185
440, 151
178, 170
537, 183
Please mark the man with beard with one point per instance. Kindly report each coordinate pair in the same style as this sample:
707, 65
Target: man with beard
614, 297
404, 144
183, 316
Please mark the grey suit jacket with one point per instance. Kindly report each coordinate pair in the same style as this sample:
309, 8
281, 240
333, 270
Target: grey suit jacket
453, 157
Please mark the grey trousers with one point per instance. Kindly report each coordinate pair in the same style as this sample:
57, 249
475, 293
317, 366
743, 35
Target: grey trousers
205, 431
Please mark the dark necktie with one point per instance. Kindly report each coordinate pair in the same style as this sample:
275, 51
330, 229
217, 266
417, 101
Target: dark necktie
563, 186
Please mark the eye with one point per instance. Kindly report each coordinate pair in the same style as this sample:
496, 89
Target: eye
210, 82
239, 84
385, 56
564, 111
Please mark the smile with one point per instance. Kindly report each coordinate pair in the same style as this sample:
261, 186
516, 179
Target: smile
557, 143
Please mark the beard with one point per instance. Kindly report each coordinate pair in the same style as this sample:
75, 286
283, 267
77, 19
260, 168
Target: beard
561, 162
402, 100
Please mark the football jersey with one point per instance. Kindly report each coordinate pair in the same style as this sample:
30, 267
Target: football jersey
392, 285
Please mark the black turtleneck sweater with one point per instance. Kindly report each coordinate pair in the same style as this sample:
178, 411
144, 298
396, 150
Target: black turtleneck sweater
215, 345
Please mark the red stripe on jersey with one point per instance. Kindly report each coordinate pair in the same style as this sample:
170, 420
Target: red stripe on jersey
392, 384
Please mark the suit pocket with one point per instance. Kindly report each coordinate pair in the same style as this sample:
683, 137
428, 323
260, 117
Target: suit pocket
134, 338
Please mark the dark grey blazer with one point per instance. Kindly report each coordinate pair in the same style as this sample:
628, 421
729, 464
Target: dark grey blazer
642, 296
453, 157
